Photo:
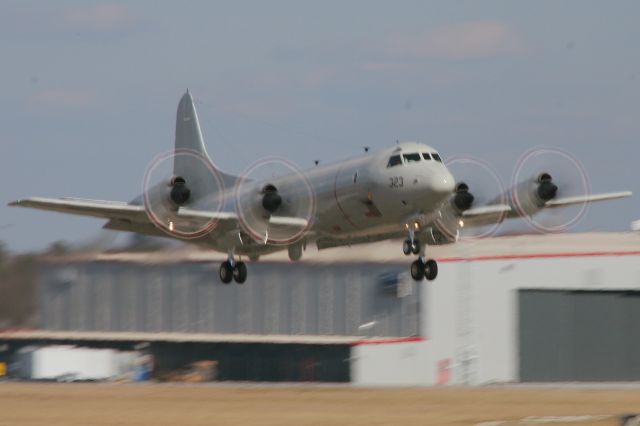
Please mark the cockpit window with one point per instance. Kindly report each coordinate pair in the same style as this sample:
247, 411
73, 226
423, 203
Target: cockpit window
411, 158
436, 157
394, 161
426, 156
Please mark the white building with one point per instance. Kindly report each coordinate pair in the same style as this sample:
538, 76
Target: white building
523, 308
526, 308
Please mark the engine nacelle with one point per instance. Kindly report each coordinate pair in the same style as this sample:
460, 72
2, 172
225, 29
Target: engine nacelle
271, 200
530, 196
435, 237
180, 192
442, 227
462, 199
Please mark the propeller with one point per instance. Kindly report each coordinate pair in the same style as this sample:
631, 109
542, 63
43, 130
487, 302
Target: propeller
275, 202
182, 179
543, 174
478, 185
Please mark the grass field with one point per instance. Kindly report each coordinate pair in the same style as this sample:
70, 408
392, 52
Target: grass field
157, 404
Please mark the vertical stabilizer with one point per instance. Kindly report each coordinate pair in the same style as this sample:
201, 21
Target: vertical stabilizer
198, 171
188, 133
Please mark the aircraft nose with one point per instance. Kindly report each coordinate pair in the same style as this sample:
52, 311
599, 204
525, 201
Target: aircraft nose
443, 183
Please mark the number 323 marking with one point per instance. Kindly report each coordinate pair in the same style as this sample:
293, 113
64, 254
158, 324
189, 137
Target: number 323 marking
396, 182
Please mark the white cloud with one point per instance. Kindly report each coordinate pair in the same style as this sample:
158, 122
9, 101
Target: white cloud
458, 41
101, 17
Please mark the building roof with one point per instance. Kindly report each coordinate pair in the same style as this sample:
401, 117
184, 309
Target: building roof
74, 336
521, 246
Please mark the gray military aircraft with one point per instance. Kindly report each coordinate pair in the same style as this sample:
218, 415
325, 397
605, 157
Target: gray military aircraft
402, 191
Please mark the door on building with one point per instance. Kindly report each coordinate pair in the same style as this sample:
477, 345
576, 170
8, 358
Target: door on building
579, 335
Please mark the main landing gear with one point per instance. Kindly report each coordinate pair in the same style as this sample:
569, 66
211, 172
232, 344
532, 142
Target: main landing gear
232, 270
422, 267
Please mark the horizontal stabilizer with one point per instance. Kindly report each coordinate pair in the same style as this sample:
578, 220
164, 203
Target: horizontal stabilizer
581, 199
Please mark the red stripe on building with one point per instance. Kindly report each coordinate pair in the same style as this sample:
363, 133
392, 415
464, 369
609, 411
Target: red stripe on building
389, 340
541, 256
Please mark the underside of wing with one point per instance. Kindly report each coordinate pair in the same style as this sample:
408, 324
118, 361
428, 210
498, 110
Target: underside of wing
284, 223
485, 215
327, 242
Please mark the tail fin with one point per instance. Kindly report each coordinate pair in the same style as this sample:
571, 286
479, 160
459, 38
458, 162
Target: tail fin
188, 133
189, 137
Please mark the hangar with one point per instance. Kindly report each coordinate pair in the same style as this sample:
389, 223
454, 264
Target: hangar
509, 309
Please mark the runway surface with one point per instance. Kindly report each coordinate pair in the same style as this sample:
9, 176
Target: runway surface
231, 404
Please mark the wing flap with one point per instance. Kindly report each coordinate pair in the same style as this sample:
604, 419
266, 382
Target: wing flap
191, 214
276, 223
290, 222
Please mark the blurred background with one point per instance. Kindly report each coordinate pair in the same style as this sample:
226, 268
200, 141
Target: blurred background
89, 92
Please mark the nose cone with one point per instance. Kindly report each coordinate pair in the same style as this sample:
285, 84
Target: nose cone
443, 183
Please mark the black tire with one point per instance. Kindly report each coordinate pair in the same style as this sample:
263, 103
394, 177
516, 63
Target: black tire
295, 252
415, 247
406, 247
240, 273
431, 270
417, 270
226, 272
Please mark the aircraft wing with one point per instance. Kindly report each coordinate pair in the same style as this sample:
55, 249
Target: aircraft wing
86, 207
133, 217
277, 224
569, 201
492, 213
490, 210
483, 215
274, 221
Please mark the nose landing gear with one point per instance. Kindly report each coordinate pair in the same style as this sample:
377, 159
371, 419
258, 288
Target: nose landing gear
411, 245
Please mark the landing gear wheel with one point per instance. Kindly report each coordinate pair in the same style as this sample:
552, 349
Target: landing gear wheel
417, 270
406, 247
240, 273
226, 272
295, 252
430, 270
415, 247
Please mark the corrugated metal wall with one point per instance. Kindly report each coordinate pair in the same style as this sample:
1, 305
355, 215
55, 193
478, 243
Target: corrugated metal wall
579, 335
188, 297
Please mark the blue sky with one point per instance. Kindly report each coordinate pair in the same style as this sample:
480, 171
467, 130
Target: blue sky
89, 90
